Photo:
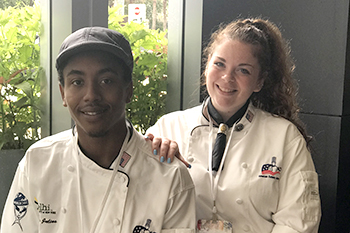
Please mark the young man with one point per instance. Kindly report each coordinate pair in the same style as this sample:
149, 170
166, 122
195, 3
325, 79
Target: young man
100, 176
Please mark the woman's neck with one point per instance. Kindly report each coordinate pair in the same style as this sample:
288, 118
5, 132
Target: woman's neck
228, 118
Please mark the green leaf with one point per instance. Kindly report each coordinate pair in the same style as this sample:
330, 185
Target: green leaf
11, 34
22, 101
26, 88
25, 53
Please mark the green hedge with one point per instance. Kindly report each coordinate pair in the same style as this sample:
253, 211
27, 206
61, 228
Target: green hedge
20, 75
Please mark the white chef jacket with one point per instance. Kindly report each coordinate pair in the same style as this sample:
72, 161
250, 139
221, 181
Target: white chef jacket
268, 182
58, 189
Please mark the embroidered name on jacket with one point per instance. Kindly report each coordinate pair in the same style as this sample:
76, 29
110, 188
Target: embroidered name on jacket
271, 170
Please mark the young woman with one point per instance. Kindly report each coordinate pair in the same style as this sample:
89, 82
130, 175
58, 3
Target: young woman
265, 180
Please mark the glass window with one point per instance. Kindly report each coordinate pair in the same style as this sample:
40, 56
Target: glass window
144, 24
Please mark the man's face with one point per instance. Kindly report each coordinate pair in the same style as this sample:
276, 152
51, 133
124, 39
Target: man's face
95, 93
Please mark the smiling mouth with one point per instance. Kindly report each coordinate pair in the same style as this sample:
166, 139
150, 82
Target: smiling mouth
93, 113
226, 90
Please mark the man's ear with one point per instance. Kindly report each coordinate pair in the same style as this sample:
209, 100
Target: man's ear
62, 95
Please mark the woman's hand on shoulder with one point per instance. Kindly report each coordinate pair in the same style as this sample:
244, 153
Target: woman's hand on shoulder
166, 149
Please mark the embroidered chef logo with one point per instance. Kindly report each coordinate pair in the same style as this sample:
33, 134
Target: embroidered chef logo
144, 229
21, 205
271, 170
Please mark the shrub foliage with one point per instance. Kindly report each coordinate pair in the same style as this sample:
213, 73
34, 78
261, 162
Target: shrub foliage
20, 75
150, 70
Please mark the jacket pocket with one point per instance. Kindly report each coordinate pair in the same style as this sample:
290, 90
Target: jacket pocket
311, 198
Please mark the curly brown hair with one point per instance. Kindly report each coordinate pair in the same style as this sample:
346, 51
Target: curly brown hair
279, 92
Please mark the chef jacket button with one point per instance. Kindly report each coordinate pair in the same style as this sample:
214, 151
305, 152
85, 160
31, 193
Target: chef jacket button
122, 179
239, 201
70, 168
63, 210
244, 165
246, 228
190, 159
239, 127
116, 222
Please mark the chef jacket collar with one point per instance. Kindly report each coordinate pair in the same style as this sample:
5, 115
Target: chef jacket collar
129, 126
217, 119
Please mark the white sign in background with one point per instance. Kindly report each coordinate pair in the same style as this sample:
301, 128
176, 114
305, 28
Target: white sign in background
136, 13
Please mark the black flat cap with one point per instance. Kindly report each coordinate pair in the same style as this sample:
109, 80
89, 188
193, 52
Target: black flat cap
95, 39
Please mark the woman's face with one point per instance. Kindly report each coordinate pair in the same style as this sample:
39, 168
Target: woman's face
232, 75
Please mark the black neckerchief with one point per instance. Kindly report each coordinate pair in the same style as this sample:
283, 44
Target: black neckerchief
234, 118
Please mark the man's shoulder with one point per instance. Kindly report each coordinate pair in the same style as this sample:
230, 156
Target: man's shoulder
44, 153
56, 139
183, 180
175, 171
